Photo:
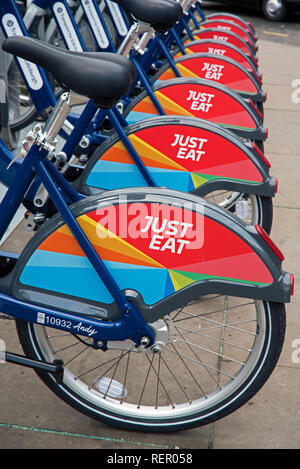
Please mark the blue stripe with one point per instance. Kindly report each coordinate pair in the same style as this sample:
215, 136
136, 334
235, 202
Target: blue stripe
111, 175
134, 116
75, 276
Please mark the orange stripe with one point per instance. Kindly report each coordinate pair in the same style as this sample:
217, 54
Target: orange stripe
63, 243
167, 75
118, 154
146, 106
108, 255
103, 238
154, 158
104, 242
171, 106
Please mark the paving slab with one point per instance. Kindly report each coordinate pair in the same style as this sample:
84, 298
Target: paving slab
269, 421
279, 63
272, 418
30, 414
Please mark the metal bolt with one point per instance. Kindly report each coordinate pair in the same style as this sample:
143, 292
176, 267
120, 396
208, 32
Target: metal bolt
145, 341
156, 348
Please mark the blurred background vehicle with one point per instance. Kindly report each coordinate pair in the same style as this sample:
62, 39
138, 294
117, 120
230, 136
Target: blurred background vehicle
273, 10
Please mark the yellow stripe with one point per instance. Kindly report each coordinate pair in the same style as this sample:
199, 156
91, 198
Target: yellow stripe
151, 153
198, 180
100, 236
185, 71
179, 281
171, 105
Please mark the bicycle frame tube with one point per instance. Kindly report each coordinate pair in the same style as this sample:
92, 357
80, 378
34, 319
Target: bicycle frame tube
147, 85
129, 147
193, 18
97, 25
34, 76
23, 177
69, 30
7, 176
41, 3
66, 25
36, 163
118, 17
80, 128
36, 8
200, 11
100, 331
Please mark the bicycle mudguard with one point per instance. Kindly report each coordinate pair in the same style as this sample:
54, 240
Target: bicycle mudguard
219, 69
210, 46
190, 155
203, 99
223, 36
232, 27
235, 19
162, 248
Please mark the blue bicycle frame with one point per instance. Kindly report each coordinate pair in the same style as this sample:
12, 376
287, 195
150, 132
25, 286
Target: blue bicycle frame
89, 122
85, 123
131, 324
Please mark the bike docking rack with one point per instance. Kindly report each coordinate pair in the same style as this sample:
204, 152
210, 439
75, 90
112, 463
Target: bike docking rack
125, 292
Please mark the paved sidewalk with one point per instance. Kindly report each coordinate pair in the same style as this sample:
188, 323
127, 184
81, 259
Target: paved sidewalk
32, 417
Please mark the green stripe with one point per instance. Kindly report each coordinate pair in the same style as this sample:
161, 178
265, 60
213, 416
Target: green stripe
211, 178
235, 127
198, 277
79, 435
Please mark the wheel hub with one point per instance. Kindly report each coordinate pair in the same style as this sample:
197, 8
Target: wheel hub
274, 7
161, 333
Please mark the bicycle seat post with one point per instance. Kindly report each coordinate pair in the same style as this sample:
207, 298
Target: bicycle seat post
132, 42
185, 5
57, 118
46, 136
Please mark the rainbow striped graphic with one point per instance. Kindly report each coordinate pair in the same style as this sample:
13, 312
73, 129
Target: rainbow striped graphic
59, 265
117, 170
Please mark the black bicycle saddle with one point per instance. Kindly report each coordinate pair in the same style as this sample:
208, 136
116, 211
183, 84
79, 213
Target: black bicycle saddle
160, 14
105, 77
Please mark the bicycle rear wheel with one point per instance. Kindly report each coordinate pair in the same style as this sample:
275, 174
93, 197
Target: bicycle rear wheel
219, 353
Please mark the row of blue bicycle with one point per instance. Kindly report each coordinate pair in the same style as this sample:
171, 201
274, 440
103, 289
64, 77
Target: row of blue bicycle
150, 296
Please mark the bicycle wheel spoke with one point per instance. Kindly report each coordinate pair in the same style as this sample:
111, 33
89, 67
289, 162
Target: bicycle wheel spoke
157, 383
212, 347
199, 363
96, 367
224, 342
77, 355
115, 370
67, 347
115, 360
145, 380
213, 312
197, 358
158, 377
181, 357
174, 377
